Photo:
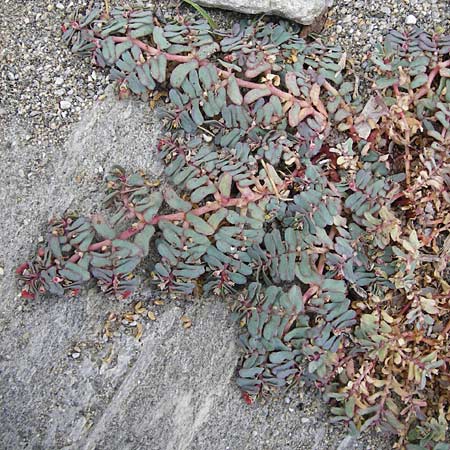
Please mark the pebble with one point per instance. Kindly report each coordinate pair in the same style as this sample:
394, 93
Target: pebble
59, 81
2, 271
65, 105
411, 20
76, 355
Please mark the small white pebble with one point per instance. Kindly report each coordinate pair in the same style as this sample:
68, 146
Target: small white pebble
59, 81
304, 420
76, 355
2, 271
59, 6
411, 20
65, 104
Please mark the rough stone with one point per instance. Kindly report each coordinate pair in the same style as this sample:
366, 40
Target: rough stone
411, 19
302, 11
65, 104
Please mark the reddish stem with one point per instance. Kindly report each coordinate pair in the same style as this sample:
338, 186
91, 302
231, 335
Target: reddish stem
424, 89
152, 50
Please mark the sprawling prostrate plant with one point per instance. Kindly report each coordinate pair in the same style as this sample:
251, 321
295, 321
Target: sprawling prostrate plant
327, 219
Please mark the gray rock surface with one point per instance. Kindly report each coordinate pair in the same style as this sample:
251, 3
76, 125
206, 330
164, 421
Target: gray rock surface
302, 11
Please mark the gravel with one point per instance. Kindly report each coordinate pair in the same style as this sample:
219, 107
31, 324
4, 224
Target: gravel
359, 25
45, 85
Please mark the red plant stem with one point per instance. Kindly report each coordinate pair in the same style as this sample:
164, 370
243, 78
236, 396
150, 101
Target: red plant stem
209, 207
309, 293
152, 50
74, 258
274, 90
425, 89
405, 308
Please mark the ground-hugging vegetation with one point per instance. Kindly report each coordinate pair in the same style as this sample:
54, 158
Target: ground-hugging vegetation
325, 215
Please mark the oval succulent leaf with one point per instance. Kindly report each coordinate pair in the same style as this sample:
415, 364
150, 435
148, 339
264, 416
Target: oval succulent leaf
160, 40
254, 94
200, 225
233, 91
102, 228
180, 73
175, 201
